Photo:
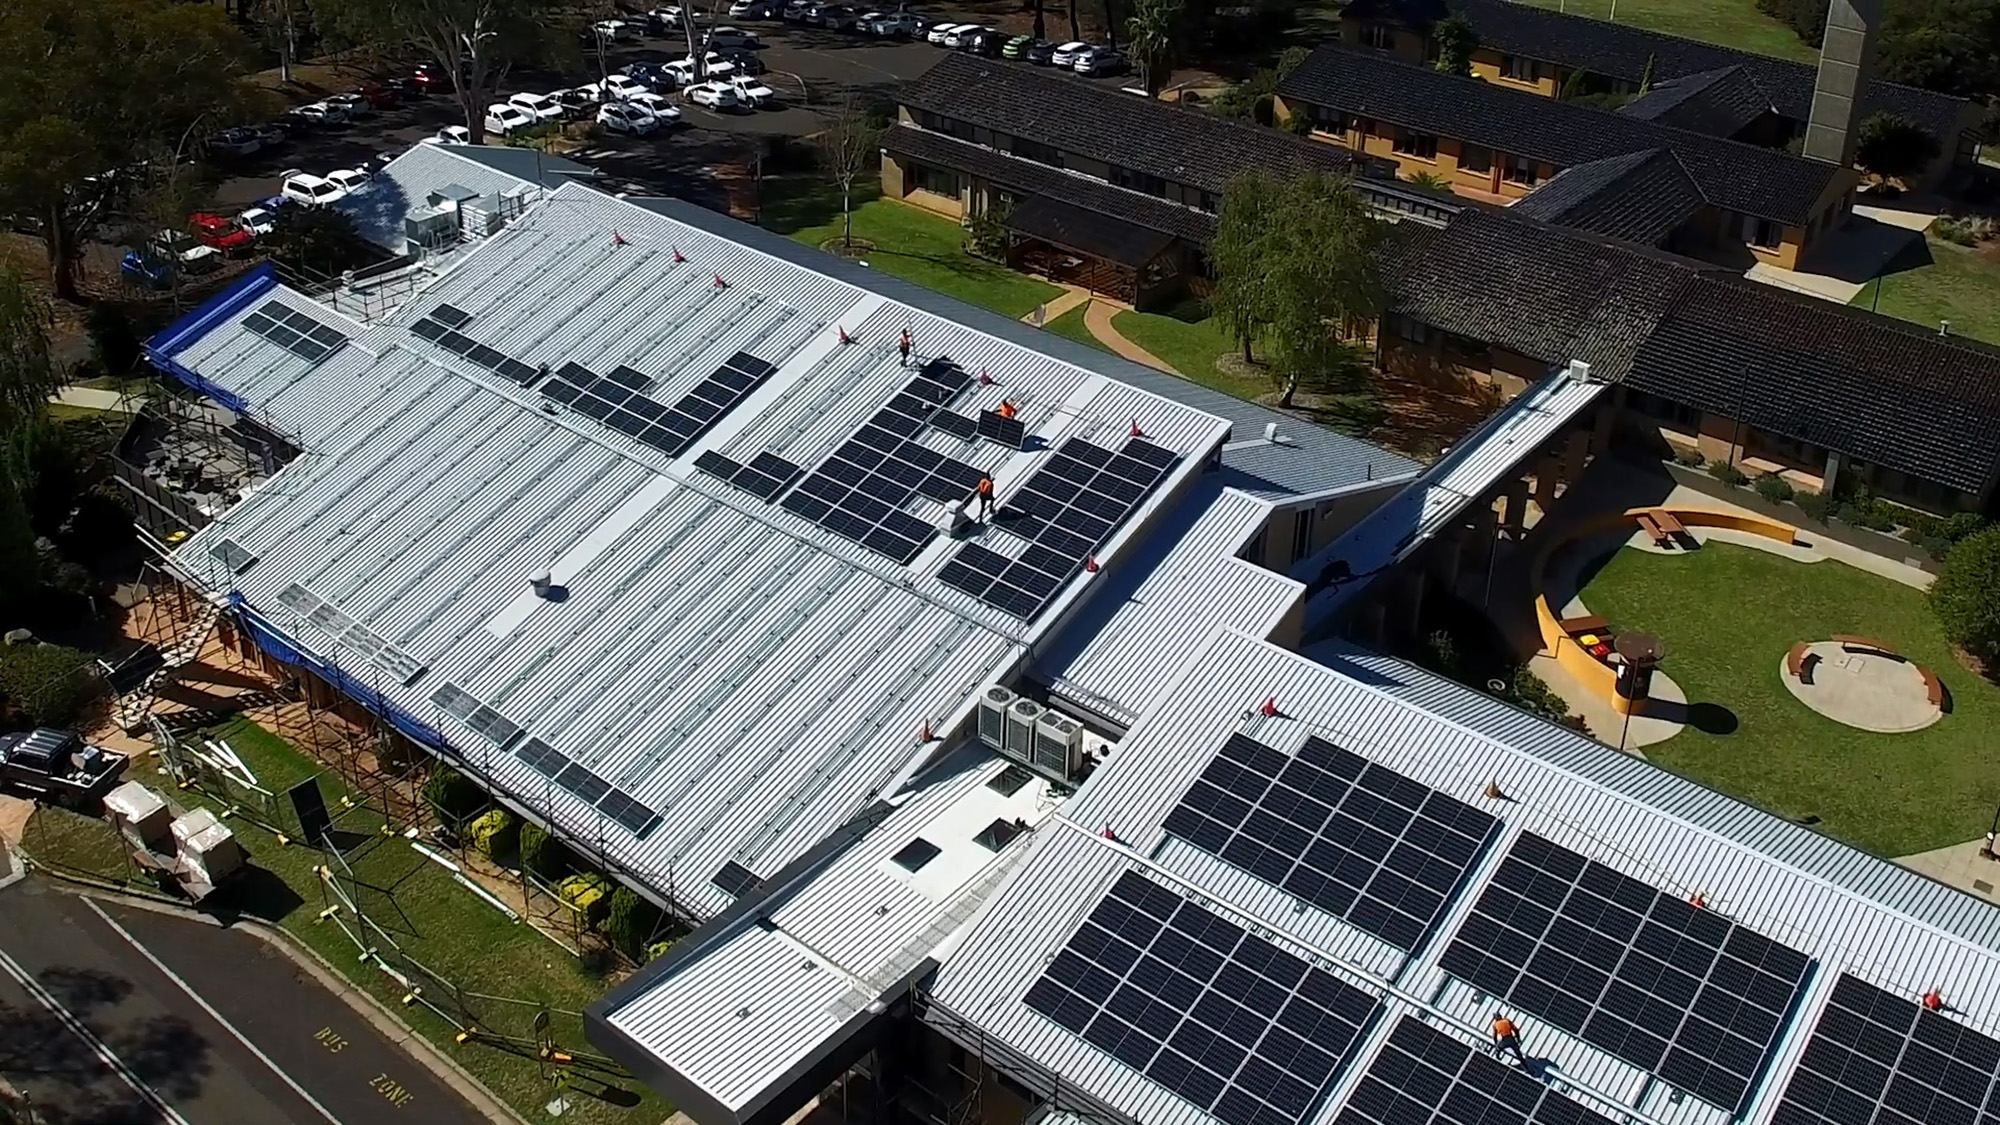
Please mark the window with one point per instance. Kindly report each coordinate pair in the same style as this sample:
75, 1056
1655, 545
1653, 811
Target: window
1763, 232
1209, 202
1521, 170
1475, 158
1009, 781
937, 181
1517, 69
948, 126
1415, 331
999, 834
1138, 181
1302, 533
1380, 36
1037, 152
915, 854
1423, 146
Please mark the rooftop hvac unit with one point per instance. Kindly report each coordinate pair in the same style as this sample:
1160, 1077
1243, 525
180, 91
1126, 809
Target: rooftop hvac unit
1019, 742
431, 226
1058, 744
993, 716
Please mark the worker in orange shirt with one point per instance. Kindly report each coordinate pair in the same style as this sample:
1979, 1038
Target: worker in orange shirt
1007, 409
985, 497
903, 347
1507, 1037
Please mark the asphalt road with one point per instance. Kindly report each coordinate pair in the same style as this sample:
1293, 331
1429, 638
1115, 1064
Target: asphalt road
116, 1016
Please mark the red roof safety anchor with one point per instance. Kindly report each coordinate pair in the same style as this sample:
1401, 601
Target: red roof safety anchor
617, 239
1933, 1000
1698, 900
985, 380
844, 337
1110, 835
677, 255
719, 283
1090, 564
1136, 431
1270, 708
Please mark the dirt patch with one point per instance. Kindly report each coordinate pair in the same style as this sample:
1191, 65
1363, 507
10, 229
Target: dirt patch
852, 249
1429, 409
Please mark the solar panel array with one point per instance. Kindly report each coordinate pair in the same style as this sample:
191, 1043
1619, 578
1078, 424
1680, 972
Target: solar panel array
1876, 1058
860, 491
1422, 1076
296, 332
461, 705
764, 477
231, 554
1066, 510
1221, 1017
351, 633
1007, 431
1353, 838
735, 879
668, 428
441, 326
1667, 986
617, 805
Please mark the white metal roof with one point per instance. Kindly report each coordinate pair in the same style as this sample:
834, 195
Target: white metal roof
751, 676
407, 182
1663, 834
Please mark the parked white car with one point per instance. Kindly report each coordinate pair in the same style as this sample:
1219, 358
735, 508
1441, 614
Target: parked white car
752, 93
957, 36
939, 31
1067, 54
311, 190
631, 120
615, 31
663, 110
503, 118
356, 106
349, 180
895, 24
617, 88
726, 36
714, 95
671, 16
541, 107
322, 113
742, 8
450, 135
1101, 60
259, 221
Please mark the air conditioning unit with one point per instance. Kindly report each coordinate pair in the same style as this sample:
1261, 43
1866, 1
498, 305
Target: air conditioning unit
993, 706
431, 227
1058, 744
1019, 743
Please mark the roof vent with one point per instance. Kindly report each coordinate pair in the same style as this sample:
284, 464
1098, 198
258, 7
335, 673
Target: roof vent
1579, 371
542, 581
1271, 432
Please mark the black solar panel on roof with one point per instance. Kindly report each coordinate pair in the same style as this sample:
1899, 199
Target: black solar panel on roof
859, 493
232, 555
543, 758
735, 879
457, 342
1007, 431
430, 330
717, 465
955, 424
631, 378
1424, 1077
451, 316
1875, 1057
295, 331
585, 784
628, 813
578, 374
519, 372
489, 358
455, 702
1667, 986
1221, 1017
493, 725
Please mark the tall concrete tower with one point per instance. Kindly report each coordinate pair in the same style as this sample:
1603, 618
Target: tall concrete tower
1846, 61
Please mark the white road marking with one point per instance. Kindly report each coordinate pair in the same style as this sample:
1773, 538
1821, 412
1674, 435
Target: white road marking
76, 1027
212, 1013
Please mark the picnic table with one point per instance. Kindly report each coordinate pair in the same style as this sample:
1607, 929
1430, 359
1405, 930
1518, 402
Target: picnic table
1589, 623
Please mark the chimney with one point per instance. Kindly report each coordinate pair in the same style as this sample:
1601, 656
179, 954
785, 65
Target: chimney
1846, 62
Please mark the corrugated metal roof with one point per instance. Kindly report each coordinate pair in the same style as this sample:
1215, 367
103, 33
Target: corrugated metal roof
748, 674
1848, 911
406, 183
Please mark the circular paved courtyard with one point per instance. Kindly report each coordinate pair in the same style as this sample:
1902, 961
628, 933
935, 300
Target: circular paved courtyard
1865, 690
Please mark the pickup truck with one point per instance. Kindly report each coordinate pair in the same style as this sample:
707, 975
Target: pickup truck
57, 766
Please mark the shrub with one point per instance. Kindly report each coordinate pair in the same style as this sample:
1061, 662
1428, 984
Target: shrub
536, 849
497, 833
1774, 488
452, 796
589, 893
45, 685
1533, 694
1814, 504
1957, 231
1690, 456
630, 921
659, 949
1966, 595
1727, 473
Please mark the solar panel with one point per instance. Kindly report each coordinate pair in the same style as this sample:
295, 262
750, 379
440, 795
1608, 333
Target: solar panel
628, 813
542, 758
1876, 1058
493, 725
1068, 507
298, 598
451, 316
1222, 1018
1422, 1076
519, 372
1353, 838
454, 701
631, 378
231, 554
735, 879
583, 783
1007, 431
957, 425
295, 331
1667, 986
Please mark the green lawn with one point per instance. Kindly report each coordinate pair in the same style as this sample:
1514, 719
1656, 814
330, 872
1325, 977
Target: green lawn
1940, 282
1070, 324
927, 249
1728, 614
1189, 347
1731, 23
430, 916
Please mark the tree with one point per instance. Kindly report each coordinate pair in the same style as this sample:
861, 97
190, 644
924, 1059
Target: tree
1456, 40
1952, 46
1431, 180
848, 147
28, 375
1041, 22
1966, 595
475, 41
1647, 75
1893, 147
98, 93
1297, 265
1575, 86
1074, 34
1153, 34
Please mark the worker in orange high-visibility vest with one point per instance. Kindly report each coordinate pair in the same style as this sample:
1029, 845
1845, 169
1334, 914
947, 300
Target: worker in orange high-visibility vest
985, 496
1007, 409
903, 347
1507, 1037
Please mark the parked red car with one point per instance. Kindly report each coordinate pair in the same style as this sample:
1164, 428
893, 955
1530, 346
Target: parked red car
219, 231
379, 96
